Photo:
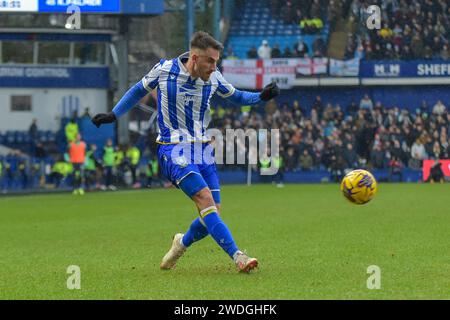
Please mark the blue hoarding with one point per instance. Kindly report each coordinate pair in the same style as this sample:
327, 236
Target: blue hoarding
397, 69
143, 7
86, 6
53, 77
97, 6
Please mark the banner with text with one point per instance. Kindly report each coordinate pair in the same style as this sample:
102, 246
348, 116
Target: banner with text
91, 6
348, 68
397, 69
255, 74
53, 77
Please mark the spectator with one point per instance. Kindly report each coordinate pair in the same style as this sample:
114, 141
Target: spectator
230, 54
424, 107
276, 53
337, 167
418, 154
33, 131
152, 172
436, 151
252, 53
396, 151
291, 161
445, 52
77, 154
319, 46
439, 108
350, 157
33, 134
395, 169
359, 53
278, 163
406, 53
417, 46
287, 13
60, 170
23, 173
287, 53
132, 158
264, 51
386, 32
436, 173
40, 151
306, 161
366, 103
436, 47
108, 165
306, 25
352, 109
301, 48
317, 23
91, 165
318, 106
377, 157
86, 114
71, 130
428, 53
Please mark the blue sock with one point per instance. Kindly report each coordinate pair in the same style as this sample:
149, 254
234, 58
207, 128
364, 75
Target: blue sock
220, 232
197, 231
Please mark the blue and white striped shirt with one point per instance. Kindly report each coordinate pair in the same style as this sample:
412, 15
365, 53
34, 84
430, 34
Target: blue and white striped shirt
183, 102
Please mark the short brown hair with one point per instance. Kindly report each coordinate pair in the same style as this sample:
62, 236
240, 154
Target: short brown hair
202, 40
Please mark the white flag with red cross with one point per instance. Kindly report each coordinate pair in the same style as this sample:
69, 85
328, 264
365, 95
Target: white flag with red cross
255, 74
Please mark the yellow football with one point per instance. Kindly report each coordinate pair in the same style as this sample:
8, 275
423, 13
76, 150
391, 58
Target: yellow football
359, 186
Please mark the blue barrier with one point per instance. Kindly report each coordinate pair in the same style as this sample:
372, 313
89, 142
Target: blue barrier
316, 176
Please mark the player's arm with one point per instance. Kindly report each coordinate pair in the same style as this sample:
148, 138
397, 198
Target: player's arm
131, 97
248, 98
227, 91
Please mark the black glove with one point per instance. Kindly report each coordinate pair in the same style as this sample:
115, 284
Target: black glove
270, 91
101, 118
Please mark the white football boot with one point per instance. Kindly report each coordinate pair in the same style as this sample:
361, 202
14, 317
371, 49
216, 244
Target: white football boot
176, 251
244, 263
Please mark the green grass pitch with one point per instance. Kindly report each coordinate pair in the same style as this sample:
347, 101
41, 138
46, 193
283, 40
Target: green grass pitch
311, 244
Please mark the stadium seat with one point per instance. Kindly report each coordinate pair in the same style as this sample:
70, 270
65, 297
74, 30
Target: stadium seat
255, 22
19, 137
9, 137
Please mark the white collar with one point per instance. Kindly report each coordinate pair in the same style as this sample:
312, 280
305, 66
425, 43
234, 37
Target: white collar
183, 68
184, 56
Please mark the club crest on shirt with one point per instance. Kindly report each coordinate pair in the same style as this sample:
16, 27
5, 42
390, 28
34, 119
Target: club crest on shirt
181, 161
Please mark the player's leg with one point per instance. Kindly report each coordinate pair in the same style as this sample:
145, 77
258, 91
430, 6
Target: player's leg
176, 171
204, 189
188, 178
220, 231
198, 229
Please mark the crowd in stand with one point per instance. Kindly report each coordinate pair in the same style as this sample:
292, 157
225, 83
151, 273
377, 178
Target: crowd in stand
105, 167
322, 136
307, 14
300, 49
102, 170
409, 29
361, 135
414, 29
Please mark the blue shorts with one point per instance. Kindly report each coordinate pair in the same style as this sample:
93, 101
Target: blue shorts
190, 167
